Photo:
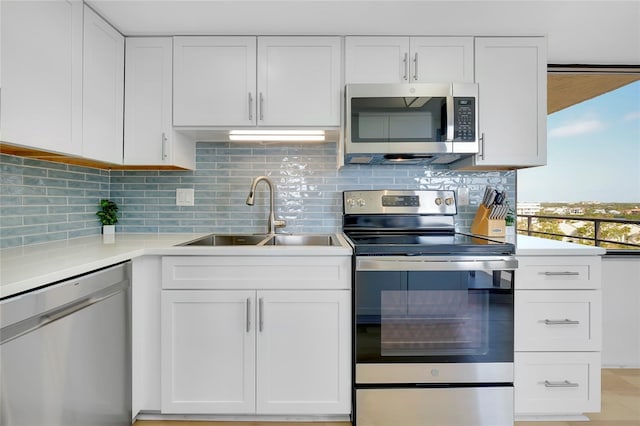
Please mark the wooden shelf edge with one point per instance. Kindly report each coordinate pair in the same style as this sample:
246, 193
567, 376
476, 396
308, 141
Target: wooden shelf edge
21, 151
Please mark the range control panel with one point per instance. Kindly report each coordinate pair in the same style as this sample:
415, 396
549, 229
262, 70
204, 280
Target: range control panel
437, 202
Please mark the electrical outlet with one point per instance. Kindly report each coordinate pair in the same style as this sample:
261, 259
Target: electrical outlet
185, 197
463, 196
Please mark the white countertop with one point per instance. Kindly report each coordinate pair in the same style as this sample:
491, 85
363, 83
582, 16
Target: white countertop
534, 246
29, 267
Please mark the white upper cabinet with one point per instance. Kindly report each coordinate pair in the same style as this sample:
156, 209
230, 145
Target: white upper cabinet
42, 75
149, 138
511, 73
408, 59
103, 90
299, 81
265, 81
214, 81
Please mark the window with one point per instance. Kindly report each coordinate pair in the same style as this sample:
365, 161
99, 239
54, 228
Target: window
589, 191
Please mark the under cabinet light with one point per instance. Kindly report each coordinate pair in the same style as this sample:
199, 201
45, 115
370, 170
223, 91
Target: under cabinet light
277, 135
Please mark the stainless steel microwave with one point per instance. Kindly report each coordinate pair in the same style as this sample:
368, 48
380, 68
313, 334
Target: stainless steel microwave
410, 123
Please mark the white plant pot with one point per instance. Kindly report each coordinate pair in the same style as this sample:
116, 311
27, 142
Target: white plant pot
108, 234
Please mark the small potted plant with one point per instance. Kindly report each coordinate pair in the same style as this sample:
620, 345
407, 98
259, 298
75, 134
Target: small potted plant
108, 215
510, 222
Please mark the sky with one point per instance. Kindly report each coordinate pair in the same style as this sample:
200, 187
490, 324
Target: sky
593, 152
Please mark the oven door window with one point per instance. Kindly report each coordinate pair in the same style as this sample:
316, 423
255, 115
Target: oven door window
401, 119
448, 316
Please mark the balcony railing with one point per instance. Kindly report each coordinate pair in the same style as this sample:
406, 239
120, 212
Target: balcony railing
613, 234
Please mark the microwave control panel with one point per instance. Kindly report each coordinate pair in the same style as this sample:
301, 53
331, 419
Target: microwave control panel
464, 117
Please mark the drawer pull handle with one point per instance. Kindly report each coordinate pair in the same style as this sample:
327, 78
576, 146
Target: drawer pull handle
561, 273
563, 384
560, 322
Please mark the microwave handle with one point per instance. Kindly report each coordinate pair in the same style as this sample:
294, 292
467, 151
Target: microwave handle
450, 118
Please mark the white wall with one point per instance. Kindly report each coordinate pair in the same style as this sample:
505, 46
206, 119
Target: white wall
621, 312
588, 32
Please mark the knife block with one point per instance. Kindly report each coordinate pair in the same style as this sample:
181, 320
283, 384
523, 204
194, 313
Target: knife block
482, 225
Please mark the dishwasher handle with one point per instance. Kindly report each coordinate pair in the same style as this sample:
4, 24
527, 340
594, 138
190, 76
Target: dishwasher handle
28, 325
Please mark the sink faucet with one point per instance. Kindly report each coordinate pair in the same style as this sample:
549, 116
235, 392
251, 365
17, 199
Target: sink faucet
273, 223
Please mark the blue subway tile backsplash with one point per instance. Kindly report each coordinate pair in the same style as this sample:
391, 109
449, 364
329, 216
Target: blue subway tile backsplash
42, 201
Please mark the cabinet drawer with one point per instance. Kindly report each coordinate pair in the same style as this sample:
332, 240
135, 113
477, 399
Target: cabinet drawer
251, 272
557, 383
561, 272
558, 320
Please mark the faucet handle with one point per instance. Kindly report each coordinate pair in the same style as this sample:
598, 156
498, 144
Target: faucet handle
279, 223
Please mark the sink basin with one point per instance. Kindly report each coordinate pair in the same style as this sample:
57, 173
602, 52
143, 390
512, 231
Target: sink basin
302, 240
228, 240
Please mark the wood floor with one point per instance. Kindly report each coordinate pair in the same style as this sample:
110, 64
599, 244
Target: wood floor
620, 407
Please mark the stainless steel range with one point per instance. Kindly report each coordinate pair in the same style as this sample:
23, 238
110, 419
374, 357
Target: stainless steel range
433, 314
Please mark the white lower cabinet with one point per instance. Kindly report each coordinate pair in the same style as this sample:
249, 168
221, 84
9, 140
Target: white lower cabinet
208, 351
558, 336
558, 320
253, 351
557, 383
302, 352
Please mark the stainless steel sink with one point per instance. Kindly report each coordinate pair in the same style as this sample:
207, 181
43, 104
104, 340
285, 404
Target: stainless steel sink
228, 240
302, 240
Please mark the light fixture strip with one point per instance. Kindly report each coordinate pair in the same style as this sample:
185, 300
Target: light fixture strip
277, 135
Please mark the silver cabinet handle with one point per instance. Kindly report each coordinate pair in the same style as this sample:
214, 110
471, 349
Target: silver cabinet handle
250, 107
261, 107
565, 321
260, 314
415, 67
406, 66
164, 146
562, 384
248, 314
561, 273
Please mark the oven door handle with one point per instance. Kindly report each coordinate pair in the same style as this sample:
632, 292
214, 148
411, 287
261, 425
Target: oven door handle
402, 263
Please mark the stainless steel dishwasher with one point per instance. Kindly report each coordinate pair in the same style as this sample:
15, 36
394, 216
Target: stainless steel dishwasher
65, 353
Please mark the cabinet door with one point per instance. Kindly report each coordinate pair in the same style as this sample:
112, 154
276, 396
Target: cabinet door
303, 352
147, 100
208, 351
103, 90
214, 81
299, 81
377, 60
441, 59
559, 273
42, 75
512, 77
558, 320
551, 383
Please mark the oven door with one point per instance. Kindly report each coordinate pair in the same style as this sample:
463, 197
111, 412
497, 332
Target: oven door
431, 320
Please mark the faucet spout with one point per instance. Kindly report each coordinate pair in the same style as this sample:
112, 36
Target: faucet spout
272, 222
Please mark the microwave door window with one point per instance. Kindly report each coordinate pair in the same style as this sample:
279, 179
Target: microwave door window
411, 126
373, 127
399, 119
